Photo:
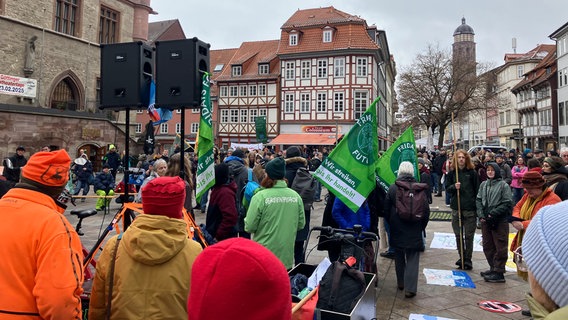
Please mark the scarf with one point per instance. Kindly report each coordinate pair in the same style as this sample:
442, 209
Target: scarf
552, 179
527, 214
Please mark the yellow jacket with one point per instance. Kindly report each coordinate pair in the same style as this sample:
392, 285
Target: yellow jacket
41, 260
152, 272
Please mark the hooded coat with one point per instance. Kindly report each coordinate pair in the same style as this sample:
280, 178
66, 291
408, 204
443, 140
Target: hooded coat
292, 166
152, 274
494, 199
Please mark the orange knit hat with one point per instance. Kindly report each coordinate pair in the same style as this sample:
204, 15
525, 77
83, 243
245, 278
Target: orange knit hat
48, 168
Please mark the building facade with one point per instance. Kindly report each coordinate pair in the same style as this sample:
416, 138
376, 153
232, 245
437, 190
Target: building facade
561, 38
52, 69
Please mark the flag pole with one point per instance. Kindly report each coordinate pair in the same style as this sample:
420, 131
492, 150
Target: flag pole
460, 221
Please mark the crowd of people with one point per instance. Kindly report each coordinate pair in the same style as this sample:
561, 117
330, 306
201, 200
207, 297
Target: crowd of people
152, 269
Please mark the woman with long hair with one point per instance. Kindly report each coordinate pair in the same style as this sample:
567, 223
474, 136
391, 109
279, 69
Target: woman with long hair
175, 169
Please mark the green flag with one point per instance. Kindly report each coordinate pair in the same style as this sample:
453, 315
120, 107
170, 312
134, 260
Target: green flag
206, 161
349, 170
260, 128
403, 149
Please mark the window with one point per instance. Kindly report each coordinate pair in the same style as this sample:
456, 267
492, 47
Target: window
178, 127
164, 128
108, 28
322, 68
289, 103
339, 67
98, 90
361, 67
234, 116
66, 15
233, 91
178, 111
520, 71
561, 114
252, 90
263, 68
218, 67
194, 127
338, 102
237, 71
502, 118
243, 91
327, 35
322, 102
289, 70
306, 66
261, 89
293, 39
224, 91
253, 114
244, 115
224, 116
262, 112
196, 110
138, 128
139, 111
360, 104
305, 102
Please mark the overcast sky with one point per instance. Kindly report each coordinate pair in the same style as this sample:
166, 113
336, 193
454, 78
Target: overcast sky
410, 25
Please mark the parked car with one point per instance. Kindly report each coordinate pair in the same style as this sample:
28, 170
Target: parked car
494, 149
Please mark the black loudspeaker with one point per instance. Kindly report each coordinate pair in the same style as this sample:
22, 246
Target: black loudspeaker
180, 65
126, 72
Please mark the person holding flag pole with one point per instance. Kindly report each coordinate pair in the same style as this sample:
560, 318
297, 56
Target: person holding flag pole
462, 184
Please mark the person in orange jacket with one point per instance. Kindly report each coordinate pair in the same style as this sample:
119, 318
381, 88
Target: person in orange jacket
42, 274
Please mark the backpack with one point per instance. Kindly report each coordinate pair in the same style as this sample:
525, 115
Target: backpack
305, 185
411, 200
340, 288
243, 202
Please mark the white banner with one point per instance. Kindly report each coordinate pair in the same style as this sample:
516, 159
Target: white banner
250, 147
17, 86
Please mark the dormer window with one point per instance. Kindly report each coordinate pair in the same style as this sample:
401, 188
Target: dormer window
294, 39
263, 68
327, 33
237, 71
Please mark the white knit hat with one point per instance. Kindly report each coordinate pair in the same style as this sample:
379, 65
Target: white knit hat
545, 249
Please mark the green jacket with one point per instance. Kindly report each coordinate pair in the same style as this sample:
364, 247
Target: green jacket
494, 198
274, 216
538, 312
152, 274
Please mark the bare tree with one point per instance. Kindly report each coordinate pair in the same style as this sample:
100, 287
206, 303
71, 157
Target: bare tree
435, 86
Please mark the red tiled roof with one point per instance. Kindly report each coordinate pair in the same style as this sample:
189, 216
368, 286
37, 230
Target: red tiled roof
216, 57
249, 55
539, 74
350, 32
539, 52
165, 30
319, 17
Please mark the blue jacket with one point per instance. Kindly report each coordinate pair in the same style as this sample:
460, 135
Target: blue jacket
346, 218
104, 182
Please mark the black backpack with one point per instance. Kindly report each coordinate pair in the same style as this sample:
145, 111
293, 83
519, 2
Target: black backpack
305, 185
341, 288
411, 200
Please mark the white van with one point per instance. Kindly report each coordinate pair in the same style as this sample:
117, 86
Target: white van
494, 149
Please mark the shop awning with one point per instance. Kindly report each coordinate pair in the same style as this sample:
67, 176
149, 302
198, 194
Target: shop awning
318, 139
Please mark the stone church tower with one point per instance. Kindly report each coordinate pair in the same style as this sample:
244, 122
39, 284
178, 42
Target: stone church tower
463, 48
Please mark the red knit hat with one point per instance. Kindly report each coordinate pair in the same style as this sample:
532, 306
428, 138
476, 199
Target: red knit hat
48, 168
532, 179
239, 279
164, 196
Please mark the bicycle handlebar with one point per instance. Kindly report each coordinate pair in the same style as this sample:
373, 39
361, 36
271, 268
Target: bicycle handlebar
357, 230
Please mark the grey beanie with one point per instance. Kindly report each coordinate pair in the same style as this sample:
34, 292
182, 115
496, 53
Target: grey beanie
545, 249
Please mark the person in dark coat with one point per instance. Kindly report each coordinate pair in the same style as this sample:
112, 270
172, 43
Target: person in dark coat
222, 211
294, 161
406, 236
104, 186
112, 159
425, 177
13, 166
84, 171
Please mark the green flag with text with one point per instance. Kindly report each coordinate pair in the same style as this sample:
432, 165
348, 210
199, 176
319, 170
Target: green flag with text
349, 170
403, 149
206, 161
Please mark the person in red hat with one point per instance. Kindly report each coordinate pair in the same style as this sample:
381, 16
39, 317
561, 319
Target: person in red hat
536, 196
42, 270
239, 279
152, 260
